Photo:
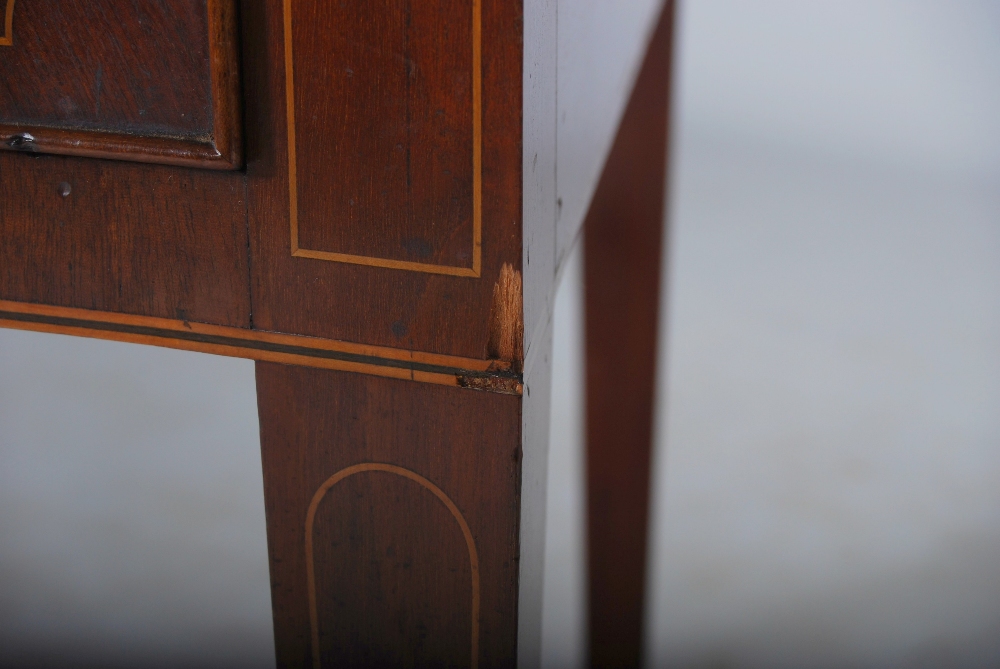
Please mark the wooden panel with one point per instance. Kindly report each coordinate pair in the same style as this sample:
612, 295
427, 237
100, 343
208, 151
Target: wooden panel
623, 233
426, 585
150, 81
394, 575
385, 132
399, 305
128, 238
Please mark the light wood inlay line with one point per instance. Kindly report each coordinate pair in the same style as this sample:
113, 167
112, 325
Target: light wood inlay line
477, 166
8, 25
406, 473
489, 375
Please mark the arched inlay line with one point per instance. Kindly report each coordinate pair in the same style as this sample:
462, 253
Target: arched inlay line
413, 476
8, 25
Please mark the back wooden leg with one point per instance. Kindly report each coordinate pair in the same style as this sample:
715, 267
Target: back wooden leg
392, 513
622, 278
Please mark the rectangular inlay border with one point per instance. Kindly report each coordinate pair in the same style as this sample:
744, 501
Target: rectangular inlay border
8, 25
477, 167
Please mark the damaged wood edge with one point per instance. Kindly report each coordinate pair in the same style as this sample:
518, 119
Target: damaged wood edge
492, 384
506, 333
488, 375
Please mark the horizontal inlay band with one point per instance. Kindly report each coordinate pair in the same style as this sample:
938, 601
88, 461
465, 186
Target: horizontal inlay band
490, 375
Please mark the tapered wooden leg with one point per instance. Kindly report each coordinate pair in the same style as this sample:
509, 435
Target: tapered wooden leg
392, 513
622, 278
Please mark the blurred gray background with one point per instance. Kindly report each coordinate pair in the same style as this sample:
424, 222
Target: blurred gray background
827, 479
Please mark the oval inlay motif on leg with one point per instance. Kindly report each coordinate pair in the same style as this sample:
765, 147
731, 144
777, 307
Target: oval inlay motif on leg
424, 483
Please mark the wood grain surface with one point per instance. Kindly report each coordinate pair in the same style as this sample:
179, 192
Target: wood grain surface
487, 375
147, 81
136, 239
393, 571
386, 132
387, 306
623, 233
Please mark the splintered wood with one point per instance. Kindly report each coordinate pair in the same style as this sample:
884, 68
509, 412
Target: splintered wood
507, 318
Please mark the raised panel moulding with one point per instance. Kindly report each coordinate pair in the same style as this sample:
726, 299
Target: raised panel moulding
144, 82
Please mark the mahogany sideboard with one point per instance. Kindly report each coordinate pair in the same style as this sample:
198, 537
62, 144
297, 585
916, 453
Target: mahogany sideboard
372, 199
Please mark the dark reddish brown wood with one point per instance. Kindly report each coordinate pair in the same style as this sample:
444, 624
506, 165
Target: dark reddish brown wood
393, 572
137, 239
622, 278
427, 210
385, 129
147, 81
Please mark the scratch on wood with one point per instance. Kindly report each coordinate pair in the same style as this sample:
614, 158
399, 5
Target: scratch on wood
506, 340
